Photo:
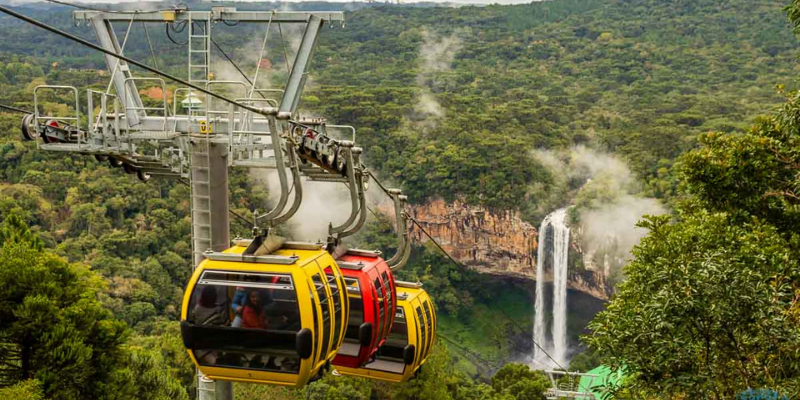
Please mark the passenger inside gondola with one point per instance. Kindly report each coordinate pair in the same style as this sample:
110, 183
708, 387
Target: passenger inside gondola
253, 315
237, 306
206, 312
265, 305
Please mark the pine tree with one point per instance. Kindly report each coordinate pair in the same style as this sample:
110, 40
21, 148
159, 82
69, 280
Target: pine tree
15, 230
53, 330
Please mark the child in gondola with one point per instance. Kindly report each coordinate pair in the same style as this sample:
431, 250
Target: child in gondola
253, 315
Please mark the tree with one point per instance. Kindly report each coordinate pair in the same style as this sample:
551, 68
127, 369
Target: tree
338, 388
25, 390
519, 381
14, 230
710, 305
703, 309
55, 331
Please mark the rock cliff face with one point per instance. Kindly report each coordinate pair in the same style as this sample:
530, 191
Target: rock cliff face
497, 243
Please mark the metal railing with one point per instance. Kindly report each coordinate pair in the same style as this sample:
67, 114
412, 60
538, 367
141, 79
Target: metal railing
571, 387
42, 120
99, 128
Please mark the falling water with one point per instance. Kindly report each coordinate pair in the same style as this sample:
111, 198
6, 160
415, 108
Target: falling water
555, 225
538, 321
560, 251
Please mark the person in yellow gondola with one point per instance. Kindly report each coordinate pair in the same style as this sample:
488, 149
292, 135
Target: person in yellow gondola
206, 312
238, 306
253, 316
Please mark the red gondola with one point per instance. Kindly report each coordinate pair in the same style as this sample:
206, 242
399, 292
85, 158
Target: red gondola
373, 303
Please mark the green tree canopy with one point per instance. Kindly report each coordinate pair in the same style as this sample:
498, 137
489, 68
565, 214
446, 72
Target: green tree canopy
520, 382
14, 230
24, 390
710, 305
54, 330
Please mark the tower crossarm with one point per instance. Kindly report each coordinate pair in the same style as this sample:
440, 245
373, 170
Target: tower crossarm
228, 14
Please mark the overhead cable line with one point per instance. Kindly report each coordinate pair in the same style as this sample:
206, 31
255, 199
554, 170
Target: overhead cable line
86, 43
469, 352
150, 45
285, 54
230, 60
14, 109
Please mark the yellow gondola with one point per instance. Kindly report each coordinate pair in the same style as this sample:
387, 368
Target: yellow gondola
275, 318
409, 342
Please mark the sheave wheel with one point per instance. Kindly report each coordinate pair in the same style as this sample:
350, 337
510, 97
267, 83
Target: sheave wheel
114, 162
29, 128
340, 163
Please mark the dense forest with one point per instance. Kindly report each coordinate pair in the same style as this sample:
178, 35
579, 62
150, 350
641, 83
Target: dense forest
456, 103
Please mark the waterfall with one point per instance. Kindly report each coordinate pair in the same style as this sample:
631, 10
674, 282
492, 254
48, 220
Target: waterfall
554, 226
538, 317
560, 251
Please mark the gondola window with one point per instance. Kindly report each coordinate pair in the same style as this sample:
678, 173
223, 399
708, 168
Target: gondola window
246, 320
424, 332
326, 314
351, 345
381, 305
429, 325
333, 282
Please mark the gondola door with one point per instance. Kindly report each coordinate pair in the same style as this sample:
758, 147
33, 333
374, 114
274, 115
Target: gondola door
326, 315
316, 312
430, 325
340, 302
390, 293
421, 331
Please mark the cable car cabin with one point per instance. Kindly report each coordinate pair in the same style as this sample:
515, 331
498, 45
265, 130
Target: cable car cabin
373, 302
409, 342
276, 319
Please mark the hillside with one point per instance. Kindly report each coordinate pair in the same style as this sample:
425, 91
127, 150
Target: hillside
452, 103
454, 108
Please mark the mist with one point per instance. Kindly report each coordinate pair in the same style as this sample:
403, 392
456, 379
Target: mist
323, 203
606, 195
436, 55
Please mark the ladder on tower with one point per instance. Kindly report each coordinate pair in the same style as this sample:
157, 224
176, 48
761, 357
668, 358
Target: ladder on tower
200, 167
200, 158
199, 49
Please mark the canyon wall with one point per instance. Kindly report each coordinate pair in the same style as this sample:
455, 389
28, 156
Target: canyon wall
497, 243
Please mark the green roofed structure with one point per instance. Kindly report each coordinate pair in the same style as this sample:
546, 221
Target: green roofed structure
599, 384
596, 384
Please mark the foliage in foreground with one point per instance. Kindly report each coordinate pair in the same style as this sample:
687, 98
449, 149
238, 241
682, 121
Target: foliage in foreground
711, 305
57, 339
437, 380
